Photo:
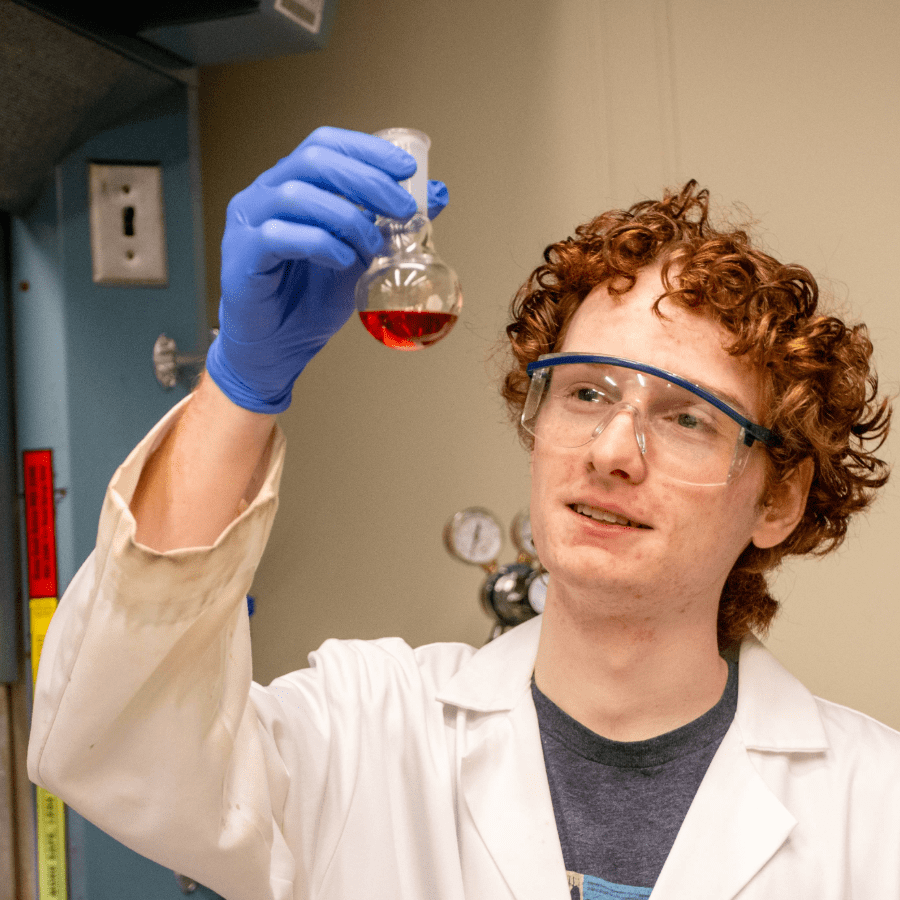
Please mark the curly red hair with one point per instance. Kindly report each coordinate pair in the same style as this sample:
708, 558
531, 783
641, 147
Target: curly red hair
818, 386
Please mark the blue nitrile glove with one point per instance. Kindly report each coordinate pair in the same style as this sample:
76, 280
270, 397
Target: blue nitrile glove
295, 244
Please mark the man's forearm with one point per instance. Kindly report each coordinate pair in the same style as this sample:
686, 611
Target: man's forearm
193, 485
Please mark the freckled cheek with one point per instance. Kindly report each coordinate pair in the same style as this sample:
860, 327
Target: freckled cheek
540, 507
710, 522
551, 479
678, 511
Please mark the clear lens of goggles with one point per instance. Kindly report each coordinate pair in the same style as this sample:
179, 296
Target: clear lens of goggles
683, 431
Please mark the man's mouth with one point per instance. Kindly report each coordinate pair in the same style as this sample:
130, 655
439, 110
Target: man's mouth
602, 515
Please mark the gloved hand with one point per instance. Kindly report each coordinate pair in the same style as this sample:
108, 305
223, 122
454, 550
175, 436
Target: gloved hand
295, 244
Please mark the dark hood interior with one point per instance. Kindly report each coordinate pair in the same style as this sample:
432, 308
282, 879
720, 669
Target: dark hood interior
58, 87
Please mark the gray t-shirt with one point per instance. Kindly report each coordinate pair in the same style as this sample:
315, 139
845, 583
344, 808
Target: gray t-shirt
619, 805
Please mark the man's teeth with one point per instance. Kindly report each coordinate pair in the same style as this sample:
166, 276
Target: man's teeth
601, 515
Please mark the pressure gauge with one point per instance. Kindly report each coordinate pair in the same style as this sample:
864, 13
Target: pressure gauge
474, 536
520, 532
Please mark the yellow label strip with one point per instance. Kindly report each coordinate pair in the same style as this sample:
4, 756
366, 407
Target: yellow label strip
42, 609
50, 812
51, 846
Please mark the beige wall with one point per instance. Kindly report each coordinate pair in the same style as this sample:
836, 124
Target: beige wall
541, 115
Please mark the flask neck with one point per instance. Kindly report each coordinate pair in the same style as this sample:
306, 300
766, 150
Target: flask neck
416, 143
413, 237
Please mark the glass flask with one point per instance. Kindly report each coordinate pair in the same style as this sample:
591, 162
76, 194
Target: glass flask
409, 298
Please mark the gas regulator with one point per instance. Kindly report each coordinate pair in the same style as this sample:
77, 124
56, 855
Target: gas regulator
511, 593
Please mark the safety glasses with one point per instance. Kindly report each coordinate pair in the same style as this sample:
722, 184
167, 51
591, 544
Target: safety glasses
684, 431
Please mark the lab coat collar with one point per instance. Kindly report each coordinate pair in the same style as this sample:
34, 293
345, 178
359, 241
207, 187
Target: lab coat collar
494, 678
775, 712
735, 817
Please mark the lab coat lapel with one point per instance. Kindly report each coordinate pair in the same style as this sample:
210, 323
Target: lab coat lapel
510, 804
736, 822
502, 777
733, 827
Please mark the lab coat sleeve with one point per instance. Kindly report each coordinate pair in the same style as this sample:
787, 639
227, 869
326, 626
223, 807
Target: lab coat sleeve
143, 720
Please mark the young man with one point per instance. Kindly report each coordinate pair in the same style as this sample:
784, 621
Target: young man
691, 418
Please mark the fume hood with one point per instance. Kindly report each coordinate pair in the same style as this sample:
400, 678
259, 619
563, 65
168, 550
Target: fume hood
69, 71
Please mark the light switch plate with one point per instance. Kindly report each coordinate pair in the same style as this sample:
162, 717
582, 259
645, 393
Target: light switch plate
128, 233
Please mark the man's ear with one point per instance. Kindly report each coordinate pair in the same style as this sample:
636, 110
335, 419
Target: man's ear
784, 507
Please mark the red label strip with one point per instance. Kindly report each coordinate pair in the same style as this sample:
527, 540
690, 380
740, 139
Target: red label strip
40, 523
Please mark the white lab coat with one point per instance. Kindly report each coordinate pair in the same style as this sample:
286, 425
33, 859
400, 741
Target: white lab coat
397, 774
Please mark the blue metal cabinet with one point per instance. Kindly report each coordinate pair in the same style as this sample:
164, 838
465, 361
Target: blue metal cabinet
85, 385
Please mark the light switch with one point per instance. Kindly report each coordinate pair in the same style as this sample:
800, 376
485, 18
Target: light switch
128, 233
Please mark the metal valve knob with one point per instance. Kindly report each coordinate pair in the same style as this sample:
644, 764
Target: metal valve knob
172, 367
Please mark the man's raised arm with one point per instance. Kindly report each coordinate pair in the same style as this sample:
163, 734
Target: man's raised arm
208, 468
145, 718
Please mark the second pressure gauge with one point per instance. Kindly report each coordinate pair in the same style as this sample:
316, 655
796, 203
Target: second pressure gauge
520, 532
474, 536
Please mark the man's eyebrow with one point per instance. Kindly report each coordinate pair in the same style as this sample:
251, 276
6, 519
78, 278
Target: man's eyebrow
737, 404
730, 399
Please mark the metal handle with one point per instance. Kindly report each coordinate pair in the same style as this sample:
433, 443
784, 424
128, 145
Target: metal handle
172, 367
185, 884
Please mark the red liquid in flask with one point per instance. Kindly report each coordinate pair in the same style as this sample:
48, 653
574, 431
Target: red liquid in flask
405, 329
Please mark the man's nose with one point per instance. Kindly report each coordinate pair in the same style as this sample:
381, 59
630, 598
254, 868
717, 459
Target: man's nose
618, 445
